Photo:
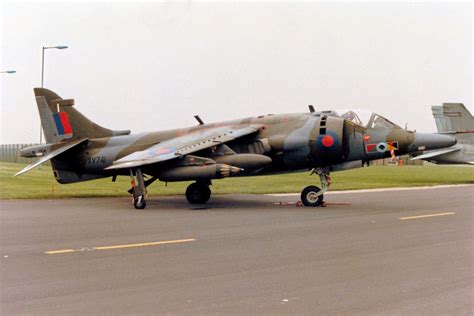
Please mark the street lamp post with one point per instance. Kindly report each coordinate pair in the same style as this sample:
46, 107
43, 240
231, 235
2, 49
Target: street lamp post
42, 77
42, 59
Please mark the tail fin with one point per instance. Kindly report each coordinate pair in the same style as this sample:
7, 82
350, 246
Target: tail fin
61, 121
452, 117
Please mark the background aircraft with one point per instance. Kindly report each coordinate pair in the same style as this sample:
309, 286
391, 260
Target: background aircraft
322, 142
453, 119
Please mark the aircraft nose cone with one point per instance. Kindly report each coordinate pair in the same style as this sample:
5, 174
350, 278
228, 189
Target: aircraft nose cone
427, 141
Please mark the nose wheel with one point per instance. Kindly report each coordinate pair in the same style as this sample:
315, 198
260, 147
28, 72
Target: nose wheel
312, 196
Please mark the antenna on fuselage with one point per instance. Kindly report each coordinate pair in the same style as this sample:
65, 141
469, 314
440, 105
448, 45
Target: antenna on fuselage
198, 119
311, 108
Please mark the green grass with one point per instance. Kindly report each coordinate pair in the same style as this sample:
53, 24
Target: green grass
40, 183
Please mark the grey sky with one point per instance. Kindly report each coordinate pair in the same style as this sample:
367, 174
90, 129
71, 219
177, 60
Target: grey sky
151, 66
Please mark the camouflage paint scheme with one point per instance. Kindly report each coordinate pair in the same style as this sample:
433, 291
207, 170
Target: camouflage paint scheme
265, 144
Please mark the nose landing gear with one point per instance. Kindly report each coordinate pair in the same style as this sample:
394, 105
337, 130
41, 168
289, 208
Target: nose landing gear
312, 195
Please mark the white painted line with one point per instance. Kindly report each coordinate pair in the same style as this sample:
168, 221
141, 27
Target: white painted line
382, 190
54, 252
155, 243
426, 215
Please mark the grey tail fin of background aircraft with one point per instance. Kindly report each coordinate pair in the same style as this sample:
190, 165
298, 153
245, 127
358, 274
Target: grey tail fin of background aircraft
452, 118
62, 122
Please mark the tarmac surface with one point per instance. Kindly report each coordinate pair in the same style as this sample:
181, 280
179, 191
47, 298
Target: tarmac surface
391, 252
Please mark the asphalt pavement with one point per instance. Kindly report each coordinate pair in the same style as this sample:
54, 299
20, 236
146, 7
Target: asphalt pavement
385, 252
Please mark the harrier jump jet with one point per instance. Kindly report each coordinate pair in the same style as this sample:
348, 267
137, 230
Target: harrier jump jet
319, 142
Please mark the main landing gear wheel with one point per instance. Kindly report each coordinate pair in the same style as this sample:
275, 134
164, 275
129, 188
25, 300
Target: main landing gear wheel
310, 196
198, 193
139, 202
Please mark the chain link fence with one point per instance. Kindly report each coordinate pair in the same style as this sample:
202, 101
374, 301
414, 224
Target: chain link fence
10, 153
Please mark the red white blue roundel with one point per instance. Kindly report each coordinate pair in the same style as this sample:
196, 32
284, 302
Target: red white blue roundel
328, 141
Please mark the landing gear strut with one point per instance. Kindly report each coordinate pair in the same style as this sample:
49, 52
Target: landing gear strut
312, 195
138, 188
198, 193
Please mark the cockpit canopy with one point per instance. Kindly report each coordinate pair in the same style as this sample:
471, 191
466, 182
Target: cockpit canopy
366, 119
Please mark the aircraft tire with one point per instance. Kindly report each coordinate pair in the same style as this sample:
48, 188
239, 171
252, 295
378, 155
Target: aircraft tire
310, 198
139, 202
198, 193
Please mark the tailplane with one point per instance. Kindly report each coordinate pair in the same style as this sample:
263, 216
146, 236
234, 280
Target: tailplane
62, 122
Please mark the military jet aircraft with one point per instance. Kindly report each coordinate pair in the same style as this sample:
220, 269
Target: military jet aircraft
452, 119
319, 142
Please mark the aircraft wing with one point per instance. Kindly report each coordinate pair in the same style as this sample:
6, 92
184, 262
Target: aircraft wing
436, 153
51, 155
182, 145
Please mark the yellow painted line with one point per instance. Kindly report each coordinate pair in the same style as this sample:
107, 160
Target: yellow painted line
145, 244
426, 216
53, 252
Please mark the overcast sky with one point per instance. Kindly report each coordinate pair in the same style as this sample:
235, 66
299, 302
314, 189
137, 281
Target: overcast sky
152, 66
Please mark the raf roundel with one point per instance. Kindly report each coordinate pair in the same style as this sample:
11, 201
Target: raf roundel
327, 141
382, 147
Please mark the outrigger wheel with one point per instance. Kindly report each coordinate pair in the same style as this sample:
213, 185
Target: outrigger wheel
139, 202
198, 193
138, 189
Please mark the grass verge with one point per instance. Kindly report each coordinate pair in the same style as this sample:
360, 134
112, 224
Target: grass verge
40, 183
